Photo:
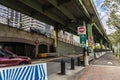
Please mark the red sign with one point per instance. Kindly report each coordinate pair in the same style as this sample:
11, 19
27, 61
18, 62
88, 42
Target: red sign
81, 29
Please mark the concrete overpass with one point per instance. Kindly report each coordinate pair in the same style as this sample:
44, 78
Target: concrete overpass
10, 34
63, 14
13, 35
30, 41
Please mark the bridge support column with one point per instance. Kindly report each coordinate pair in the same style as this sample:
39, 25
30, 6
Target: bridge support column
110, 46
36, 50
90, 36
56, 40
48, 49
90, 39
101, 43
90, 47
106, 45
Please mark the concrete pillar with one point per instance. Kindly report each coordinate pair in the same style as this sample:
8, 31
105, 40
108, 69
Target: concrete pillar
90, 37
118, 46
89, 30
101, 43
106, 45
36, 50
48, 49
56, 40
110, 46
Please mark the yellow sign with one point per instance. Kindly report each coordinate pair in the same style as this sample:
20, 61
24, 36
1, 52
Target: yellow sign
55, 39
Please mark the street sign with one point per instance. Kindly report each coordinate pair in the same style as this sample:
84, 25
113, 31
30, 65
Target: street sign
83, 40
81, 30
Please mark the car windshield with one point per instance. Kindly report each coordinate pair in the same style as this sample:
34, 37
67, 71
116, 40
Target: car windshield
1, 53
4, 53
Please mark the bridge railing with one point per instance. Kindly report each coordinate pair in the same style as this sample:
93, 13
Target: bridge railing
100, 52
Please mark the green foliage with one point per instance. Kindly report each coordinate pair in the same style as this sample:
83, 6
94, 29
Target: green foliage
97, 46
115, 37
103, 47
113, 8
116, 53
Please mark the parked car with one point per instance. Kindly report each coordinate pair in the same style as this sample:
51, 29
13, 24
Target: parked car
8, 58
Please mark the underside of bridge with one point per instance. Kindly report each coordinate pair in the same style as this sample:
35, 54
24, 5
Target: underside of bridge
62, 14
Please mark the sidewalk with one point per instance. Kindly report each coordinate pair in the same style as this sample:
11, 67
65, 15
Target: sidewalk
69, 74
99, 73
53, 58
106, 67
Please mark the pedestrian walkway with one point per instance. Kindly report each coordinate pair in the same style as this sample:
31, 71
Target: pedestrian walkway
107, 59
69, 74
105, 68
99, 73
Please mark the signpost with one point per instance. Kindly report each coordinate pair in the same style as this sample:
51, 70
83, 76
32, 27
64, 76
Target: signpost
82, 32
83, 40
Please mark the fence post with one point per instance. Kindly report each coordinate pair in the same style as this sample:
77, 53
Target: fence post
78, 61
72, 64
63, 71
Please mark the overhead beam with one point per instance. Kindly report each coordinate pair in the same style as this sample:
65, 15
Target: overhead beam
38, 7
25, 11
72, 27
71, 31
98, 18
45, 8
60, 2
80, 3
97, 28
63, 9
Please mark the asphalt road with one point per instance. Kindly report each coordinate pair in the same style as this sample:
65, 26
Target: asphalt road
54, 66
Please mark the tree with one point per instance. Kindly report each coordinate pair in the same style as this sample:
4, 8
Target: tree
115, 37
113, 8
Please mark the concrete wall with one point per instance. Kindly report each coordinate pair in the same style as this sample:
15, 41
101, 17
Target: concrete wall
65, 48
10, 34
16, 35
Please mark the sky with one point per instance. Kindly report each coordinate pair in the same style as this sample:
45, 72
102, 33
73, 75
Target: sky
103, 15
